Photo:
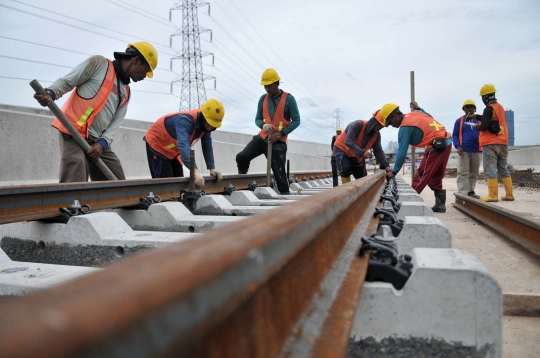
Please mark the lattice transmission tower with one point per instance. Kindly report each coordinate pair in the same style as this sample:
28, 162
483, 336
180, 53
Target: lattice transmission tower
338, 115
193, 92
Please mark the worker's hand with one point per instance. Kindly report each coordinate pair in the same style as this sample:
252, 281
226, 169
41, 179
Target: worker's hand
460, 151
216, 174
388, 169
44, 100
414, 106
389, 176
367, 154
199, 180
94, 152
274, 137
268, 128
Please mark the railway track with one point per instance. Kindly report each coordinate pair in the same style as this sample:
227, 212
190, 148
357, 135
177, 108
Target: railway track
285, 283
256, 287
512, 225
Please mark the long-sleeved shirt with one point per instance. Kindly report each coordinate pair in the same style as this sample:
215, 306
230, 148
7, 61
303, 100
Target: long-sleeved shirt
486, 117
291, 112
180, 127
353, 130
469, 135
409, 136
88, 77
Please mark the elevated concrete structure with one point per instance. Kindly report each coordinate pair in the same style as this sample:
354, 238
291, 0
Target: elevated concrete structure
32, 126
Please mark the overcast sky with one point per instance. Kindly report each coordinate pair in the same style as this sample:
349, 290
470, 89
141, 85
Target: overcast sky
353, 55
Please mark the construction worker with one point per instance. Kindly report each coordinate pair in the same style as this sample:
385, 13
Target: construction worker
421, 130
333, 163
97, 108
353, 146
169, 139
338, 132
277, 116
469, 151
494, 142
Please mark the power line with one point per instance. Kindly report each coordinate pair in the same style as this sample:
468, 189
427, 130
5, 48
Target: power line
76, 27
271, 49
145, 12
57, 65
40, 62
65, 49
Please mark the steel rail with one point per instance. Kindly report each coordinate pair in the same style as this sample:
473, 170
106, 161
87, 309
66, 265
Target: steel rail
510, 224
285, 283
33, 202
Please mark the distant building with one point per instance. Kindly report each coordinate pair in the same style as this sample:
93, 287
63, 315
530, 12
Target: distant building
392, 145
510, 124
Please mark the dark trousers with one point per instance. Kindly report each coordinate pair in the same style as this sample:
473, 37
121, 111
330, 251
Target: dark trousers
76, 167
162, 167
432, 169
347, 166
256, 147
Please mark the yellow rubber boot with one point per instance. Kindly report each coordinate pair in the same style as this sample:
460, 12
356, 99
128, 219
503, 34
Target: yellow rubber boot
345, 180
509, 190
493, 191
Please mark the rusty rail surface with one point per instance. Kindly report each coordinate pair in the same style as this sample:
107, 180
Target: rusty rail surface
285, 283
510, 224
42, 201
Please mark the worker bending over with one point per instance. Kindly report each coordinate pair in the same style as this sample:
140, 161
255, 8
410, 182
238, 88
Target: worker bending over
170, 138
353, 146
421, 130
97, 108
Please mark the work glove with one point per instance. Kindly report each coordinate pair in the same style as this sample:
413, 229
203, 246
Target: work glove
268, 128
216, 174
199, 180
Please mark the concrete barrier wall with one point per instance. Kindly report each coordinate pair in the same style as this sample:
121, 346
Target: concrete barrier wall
30, 151
525, 158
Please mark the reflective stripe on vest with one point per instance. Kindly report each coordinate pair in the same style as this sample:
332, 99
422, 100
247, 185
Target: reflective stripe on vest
162, 142
340, 141
278, 119
486, 137
429, 126
460, 137
81, 111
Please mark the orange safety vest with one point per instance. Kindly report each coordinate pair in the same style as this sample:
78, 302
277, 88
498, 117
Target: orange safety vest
460, 137
82, 111
278, 120
428, 125
340, 141
162, 142
486, 137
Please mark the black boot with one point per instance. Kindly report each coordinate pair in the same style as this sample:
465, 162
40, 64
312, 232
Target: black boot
242, 171
440, 200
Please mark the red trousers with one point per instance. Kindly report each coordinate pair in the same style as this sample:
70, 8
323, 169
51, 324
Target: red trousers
432, 169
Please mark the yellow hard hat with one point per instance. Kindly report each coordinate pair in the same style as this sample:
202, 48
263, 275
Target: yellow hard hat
149, 53
468, 102
487, 89
378, 116
339, 130
213, 112
387, 109
269, 76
